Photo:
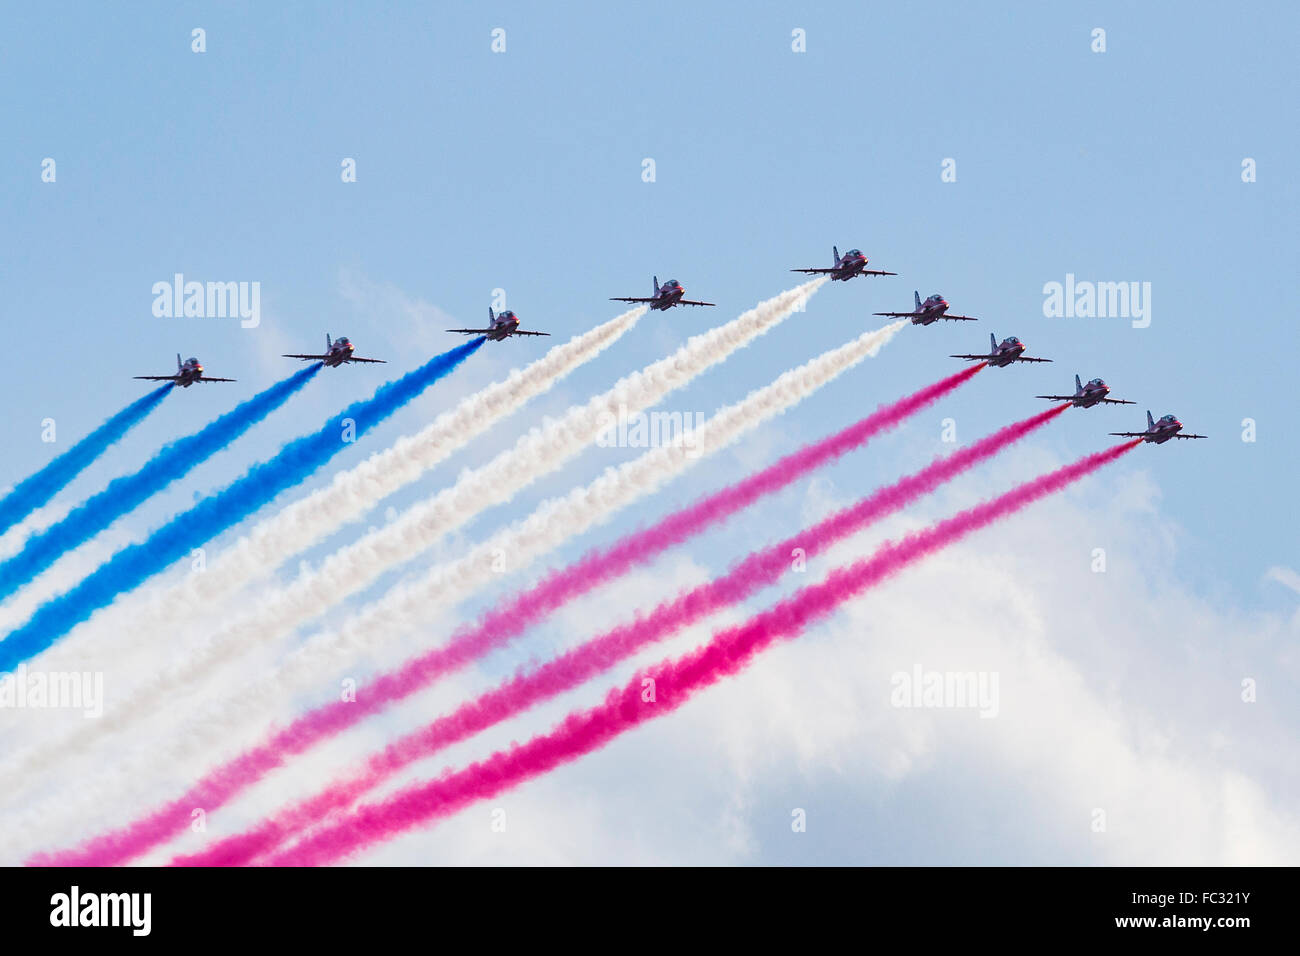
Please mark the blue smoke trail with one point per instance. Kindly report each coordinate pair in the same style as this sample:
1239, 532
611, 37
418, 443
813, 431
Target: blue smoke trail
37, 490
123, 494
136, 563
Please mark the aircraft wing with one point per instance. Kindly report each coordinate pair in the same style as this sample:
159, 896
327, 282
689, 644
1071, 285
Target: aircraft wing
913, 315
1180, 435
156, 378
473, 331
876, 272
693, 302
1131, 434
1060, 398
623, 298
525, 332
313, 358
205, 378
814, 271
1118, 401
356, 359
973, 358
1025, 358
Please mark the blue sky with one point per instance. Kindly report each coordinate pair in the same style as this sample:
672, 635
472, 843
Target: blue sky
522, 171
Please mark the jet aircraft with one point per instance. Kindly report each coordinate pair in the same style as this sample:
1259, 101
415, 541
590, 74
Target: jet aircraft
337, 352
1159, 432
500, 327
666, 296
930, 311
845, 267
1001, 355
1086, 396
187, 373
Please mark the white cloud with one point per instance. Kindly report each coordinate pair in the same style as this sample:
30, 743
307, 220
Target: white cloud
1120, 691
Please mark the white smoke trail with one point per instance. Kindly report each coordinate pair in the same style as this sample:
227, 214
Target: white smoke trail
18, 607
353, 568
309, 520
226, 726
12, 541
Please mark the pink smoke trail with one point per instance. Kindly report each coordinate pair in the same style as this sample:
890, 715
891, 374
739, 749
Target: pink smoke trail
493, 629
759, 570
675, 682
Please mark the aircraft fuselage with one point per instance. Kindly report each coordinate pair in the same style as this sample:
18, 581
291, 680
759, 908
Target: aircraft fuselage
1005, 355
188, 375
337, 355
930, 312
1163, 432
848, 268
1091, 395
667, 298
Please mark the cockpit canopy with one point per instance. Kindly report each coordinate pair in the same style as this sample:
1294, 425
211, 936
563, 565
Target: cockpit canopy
342, 340
1012, 340
506, 316
1096, 381
853, 254
191, 361
1168, 418
670, 284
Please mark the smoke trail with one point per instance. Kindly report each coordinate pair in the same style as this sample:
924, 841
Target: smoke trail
133, 565
123, 494
528, 688
37, 489
675, 682
542, 450
354, 567
12, 541
352, 493
307, 521
551, 524
497, 626
535, 454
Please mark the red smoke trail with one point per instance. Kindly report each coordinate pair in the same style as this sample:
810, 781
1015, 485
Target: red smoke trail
759, 570
494, 629
675, 682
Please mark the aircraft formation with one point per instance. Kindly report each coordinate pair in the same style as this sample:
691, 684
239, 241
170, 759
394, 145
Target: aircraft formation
1010, 351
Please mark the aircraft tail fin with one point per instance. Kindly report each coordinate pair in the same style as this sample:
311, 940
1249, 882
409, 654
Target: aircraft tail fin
491, 318
917, 296
656, 282
1078, 385
328, 343
1151, 422
835, 251
993, 343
